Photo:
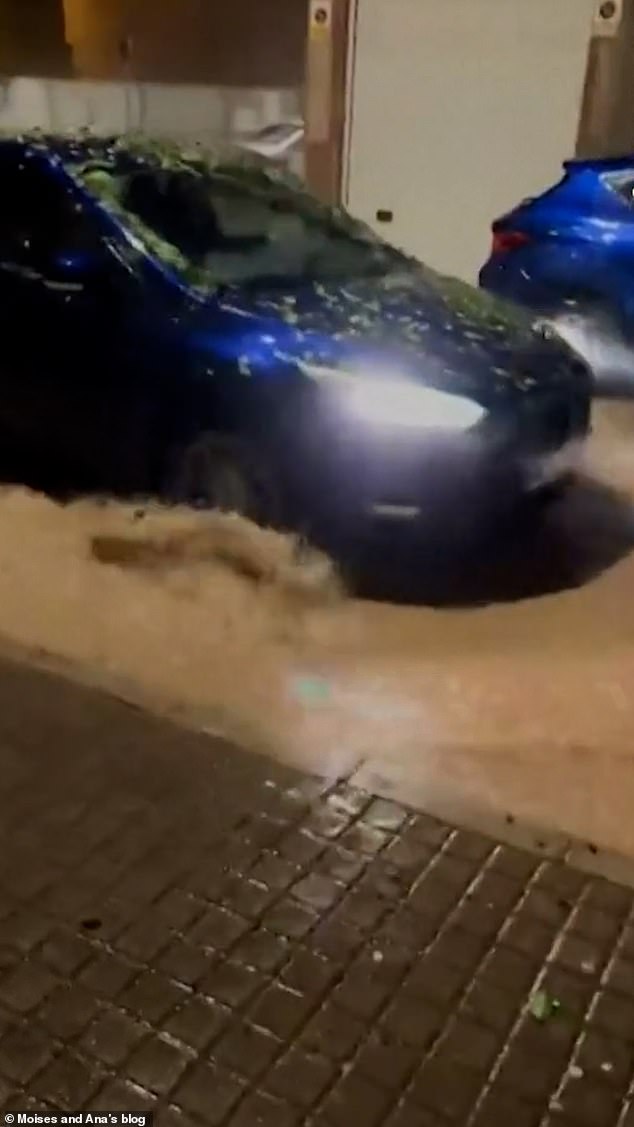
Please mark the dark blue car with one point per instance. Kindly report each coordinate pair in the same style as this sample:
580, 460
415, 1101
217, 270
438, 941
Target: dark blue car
569, 255
200, 329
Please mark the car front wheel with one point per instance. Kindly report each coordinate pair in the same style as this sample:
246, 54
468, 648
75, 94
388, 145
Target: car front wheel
215, 472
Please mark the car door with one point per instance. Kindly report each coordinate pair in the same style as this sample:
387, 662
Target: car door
71, 370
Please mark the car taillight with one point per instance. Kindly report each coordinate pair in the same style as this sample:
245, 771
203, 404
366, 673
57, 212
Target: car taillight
506, 241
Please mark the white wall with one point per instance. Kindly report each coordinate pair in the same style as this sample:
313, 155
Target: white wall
461, 108
187, 113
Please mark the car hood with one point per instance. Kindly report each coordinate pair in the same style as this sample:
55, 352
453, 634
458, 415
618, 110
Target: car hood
414, 322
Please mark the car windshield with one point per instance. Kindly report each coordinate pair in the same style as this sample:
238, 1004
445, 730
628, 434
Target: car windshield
220, 229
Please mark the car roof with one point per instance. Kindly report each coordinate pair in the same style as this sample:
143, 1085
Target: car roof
125, 152
601, 164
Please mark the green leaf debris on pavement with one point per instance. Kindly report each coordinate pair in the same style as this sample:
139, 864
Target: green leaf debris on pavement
542, 1006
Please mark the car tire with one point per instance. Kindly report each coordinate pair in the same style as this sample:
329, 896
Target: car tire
225, 474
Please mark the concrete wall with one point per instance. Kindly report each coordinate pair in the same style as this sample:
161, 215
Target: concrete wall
188, 113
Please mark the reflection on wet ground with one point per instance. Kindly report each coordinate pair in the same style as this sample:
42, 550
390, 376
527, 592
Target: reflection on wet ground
497, 691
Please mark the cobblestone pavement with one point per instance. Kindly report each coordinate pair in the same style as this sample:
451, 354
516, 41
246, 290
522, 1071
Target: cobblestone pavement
187, 928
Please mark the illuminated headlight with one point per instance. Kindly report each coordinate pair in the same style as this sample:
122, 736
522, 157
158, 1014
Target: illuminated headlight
398, 402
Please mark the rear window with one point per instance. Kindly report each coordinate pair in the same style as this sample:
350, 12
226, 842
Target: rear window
622, 183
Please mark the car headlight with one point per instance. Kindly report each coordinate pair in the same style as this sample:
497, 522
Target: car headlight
398, 402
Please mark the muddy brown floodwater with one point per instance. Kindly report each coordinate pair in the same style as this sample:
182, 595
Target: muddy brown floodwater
502, 695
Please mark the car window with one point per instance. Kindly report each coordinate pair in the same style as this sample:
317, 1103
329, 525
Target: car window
38, 215
230, 232
621, 182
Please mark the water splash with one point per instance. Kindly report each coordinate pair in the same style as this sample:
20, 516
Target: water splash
599, 343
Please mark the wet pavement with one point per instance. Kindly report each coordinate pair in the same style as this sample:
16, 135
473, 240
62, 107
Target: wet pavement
190, 929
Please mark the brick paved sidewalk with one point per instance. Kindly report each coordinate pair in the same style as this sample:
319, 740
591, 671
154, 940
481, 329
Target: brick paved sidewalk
187, 928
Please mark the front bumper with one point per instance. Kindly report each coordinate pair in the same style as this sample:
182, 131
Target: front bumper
467, 482
351, 478
549, 469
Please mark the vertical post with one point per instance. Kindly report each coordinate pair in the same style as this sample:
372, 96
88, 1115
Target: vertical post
607, 118
325, 95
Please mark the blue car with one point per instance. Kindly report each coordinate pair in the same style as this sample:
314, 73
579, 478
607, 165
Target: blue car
198, 328
568, 254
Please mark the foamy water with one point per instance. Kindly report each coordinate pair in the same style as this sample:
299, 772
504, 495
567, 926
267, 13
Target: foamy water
507, 707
